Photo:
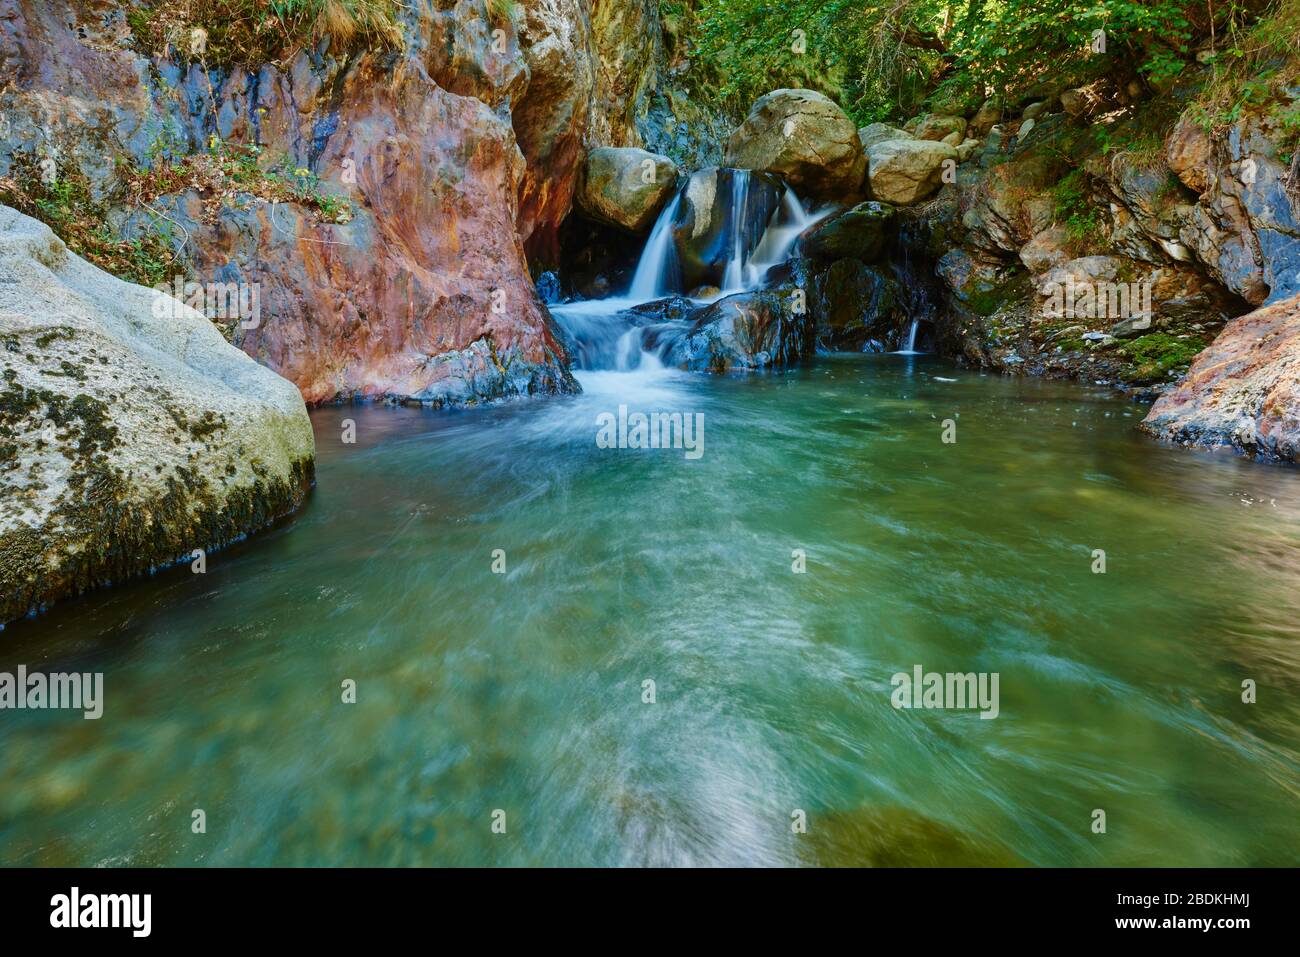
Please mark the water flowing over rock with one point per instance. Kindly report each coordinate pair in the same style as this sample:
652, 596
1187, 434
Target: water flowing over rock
131, 433
626, 187
721, 211
804, 137
903, 172
1243, 391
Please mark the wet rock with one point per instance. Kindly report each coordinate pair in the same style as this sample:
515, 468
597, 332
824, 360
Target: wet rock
1243, 391
767, 329
853, 305
898, 837
857, 233
626, 187
903, 172
548, 287
707, 225
804, 137
131, 432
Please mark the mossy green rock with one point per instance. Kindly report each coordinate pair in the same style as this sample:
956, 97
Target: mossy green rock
130, 435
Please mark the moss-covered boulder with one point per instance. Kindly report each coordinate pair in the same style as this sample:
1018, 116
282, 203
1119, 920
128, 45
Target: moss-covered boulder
131, 432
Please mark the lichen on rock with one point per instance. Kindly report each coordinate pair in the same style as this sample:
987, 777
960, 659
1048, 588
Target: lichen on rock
129, 436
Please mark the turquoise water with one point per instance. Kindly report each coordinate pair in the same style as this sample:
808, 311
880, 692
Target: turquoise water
522, 691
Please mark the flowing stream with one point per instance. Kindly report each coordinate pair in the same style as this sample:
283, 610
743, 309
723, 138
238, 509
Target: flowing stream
502, 589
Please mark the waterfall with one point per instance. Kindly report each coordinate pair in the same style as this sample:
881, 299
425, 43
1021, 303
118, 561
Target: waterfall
658, 259
733, 277
613, 336
788, 223
910, 349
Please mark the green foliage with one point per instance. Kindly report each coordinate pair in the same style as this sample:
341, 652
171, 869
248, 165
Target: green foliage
1073, 209
502, 11
258, 31
881, 58
1157, 354
66, 205
1255, 67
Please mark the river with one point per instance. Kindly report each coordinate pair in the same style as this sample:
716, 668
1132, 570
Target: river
515, 681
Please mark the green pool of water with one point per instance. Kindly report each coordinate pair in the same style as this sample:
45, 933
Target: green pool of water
523, 692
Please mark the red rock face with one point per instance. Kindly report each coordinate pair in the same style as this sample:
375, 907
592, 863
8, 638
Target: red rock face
431, 265
1243, 391
459, 156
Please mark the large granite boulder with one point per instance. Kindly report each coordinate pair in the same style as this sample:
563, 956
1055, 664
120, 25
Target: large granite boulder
940, 126
131, 432
1243, 391
804, 137
903, 172
626, 187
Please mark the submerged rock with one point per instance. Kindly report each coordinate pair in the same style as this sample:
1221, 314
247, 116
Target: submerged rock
626, 187
131, 432
1243, 391
805, 137
898, 837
